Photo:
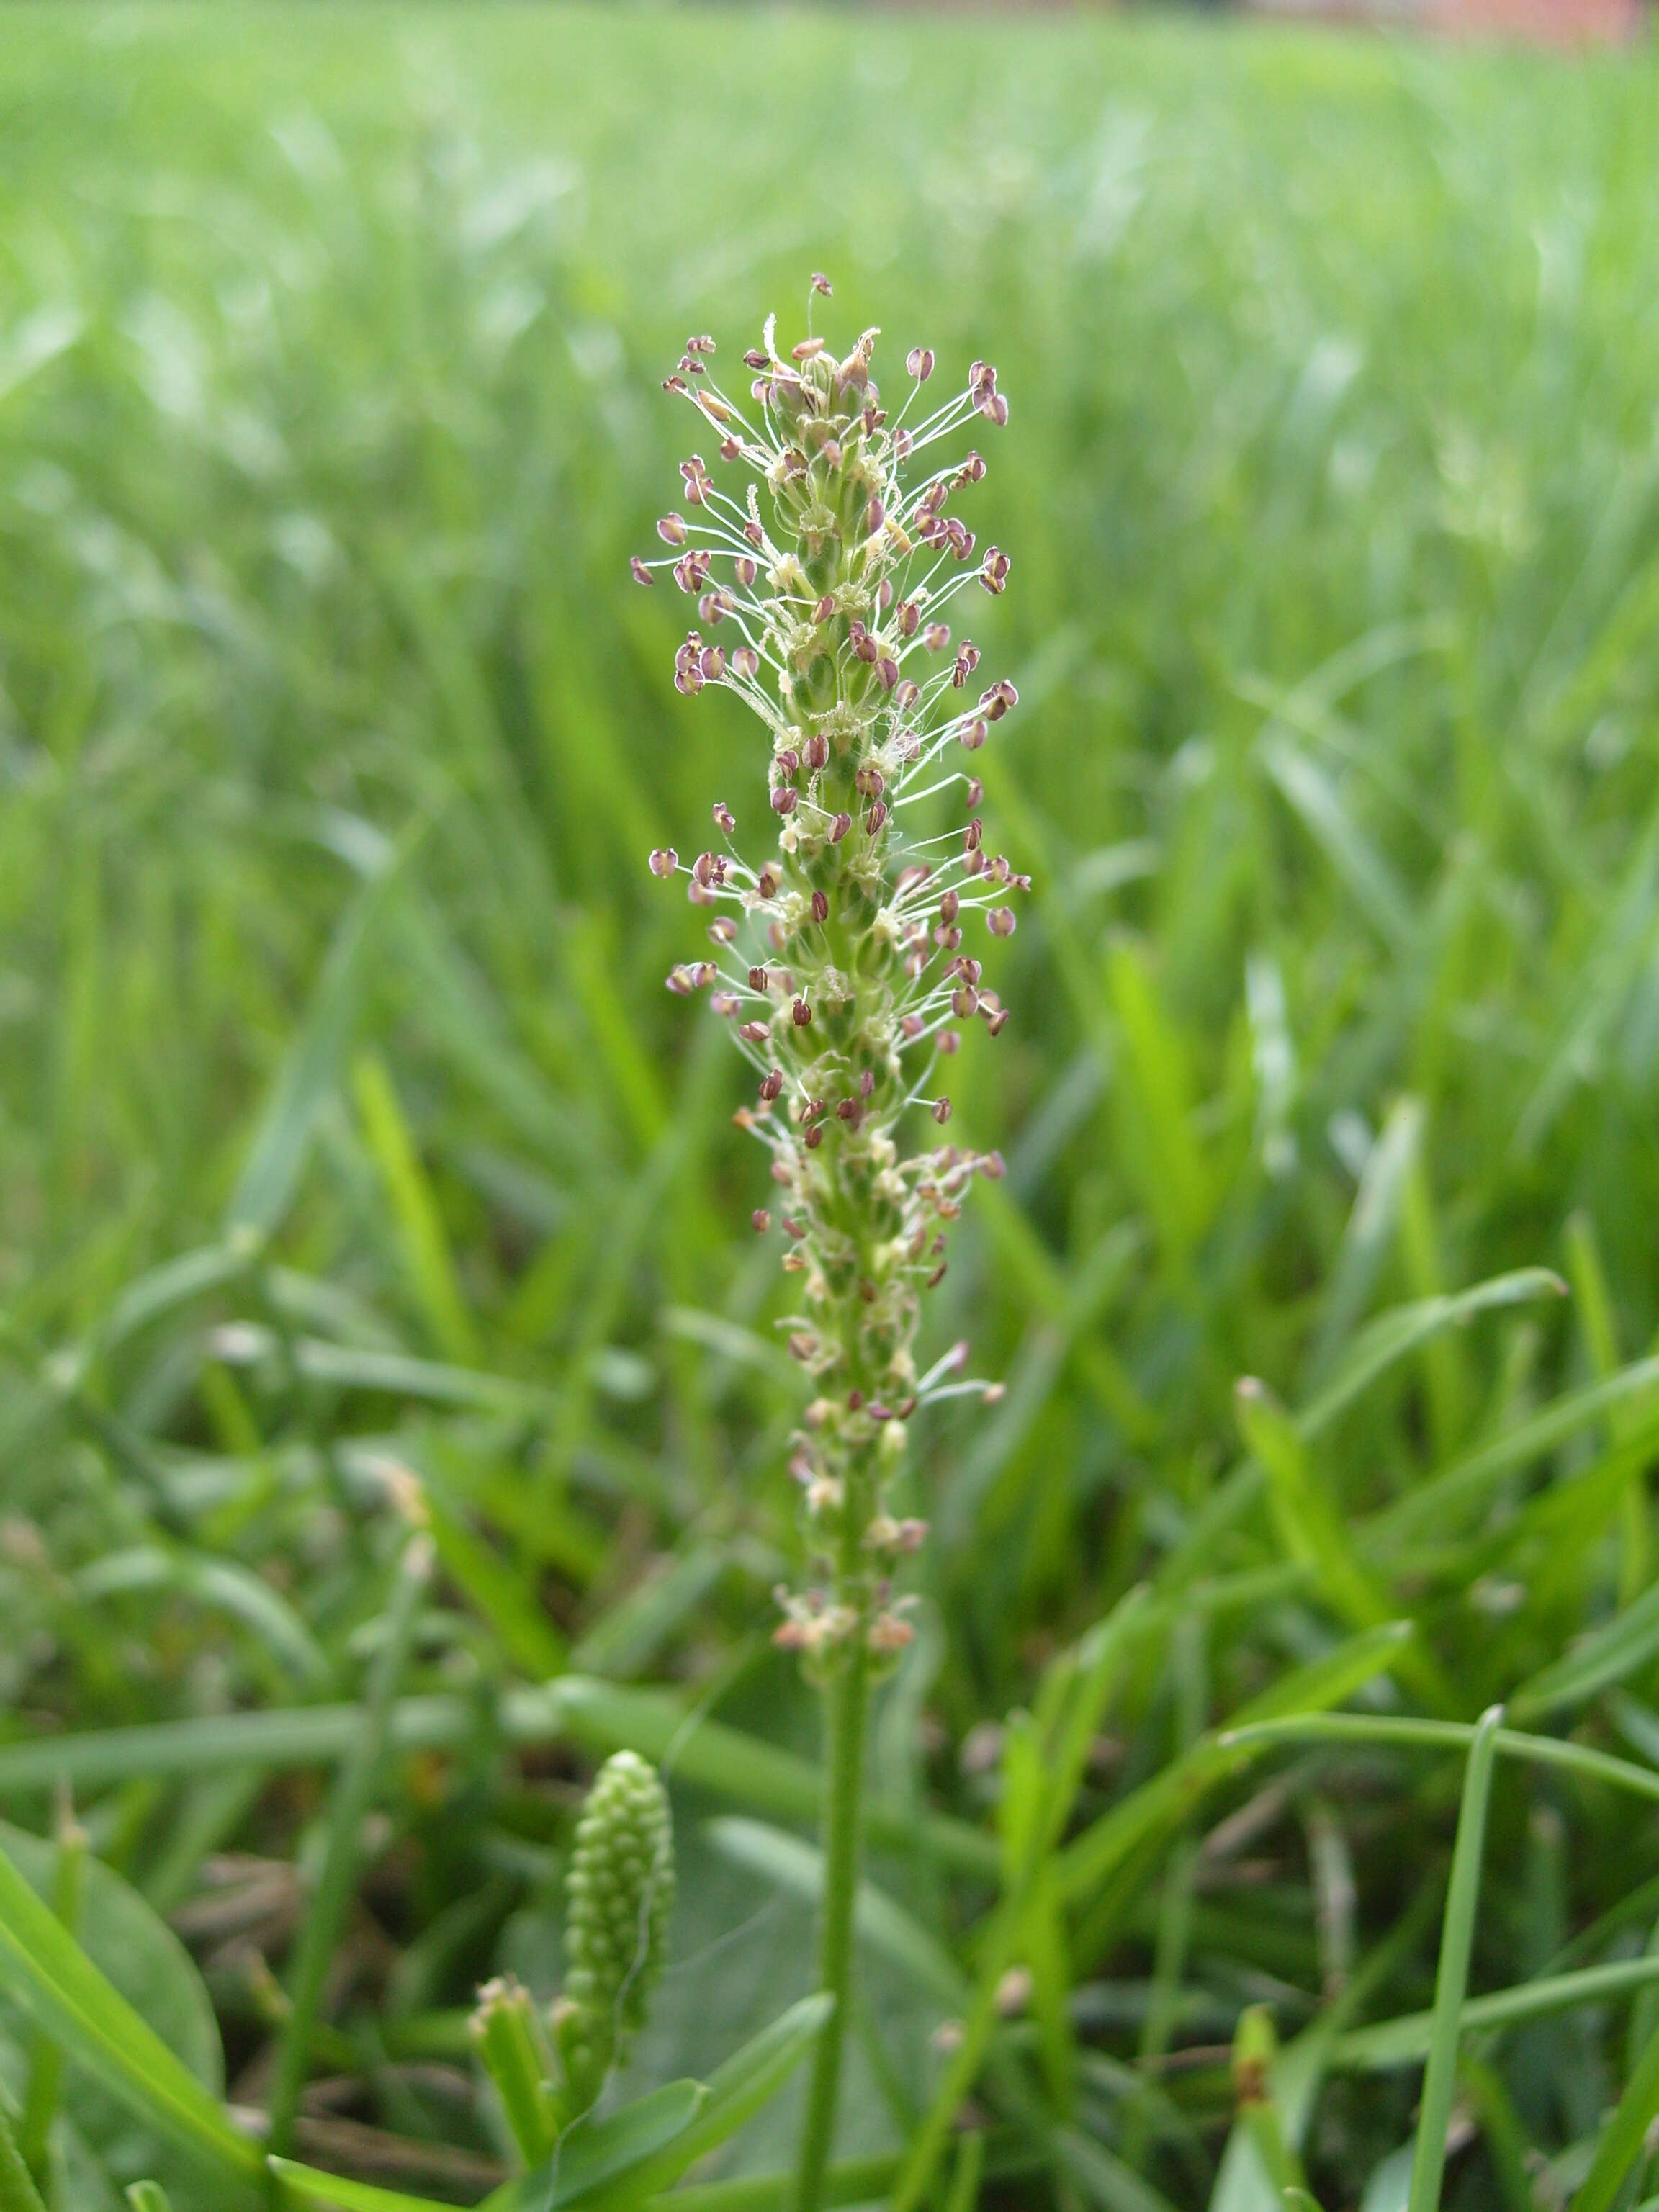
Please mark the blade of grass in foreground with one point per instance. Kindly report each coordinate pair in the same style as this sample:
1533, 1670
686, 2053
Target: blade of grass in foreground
1451, 1982
17, 2191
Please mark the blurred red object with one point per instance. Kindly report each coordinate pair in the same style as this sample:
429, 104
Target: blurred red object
1548, 22
1561, 22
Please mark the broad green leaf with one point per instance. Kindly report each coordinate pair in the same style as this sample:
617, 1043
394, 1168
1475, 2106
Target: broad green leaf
595, 2155
798, 1867
747, 2081
144, 1961
54, 1978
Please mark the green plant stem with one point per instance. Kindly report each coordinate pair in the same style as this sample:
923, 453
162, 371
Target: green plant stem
847, 1707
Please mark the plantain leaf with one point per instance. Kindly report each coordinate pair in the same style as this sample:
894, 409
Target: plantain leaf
595, 2154
49, 1973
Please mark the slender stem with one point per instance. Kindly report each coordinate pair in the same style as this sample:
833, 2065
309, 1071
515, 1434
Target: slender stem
847, 1706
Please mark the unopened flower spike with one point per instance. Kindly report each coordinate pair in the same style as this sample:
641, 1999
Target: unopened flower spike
618, 1895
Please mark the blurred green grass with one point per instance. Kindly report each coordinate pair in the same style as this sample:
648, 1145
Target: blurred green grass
333, 736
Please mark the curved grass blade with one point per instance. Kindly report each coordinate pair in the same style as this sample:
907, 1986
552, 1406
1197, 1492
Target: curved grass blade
1405, 1330
223, 1584
46, 2063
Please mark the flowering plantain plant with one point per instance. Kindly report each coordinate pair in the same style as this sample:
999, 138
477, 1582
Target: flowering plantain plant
842, 959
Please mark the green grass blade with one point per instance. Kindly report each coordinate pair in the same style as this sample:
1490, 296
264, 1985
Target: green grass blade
1401, 2042
17, 2191
1451, 1980
47, 2060
316, 1060
1442, 1735
1434, 1504
353, 1794
1609, 1653
1625, 2134
308, 2185
425, 1241
605, 1717
1395, 1335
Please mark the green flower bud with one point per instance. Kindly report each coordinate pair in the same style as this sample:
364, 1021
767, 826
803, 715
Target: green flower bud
619, 1892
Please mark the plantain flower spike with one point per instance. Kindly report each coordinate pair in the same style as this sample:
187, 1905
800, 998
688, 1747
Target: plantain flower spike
842, 955
618, 1895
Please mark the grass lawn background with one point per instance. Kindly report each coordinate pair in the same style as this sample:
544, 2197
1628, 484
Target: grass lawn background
333, 739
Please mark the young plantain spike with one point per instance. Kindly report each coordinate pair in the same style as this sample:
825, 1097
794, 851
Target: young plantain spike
618, 1895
